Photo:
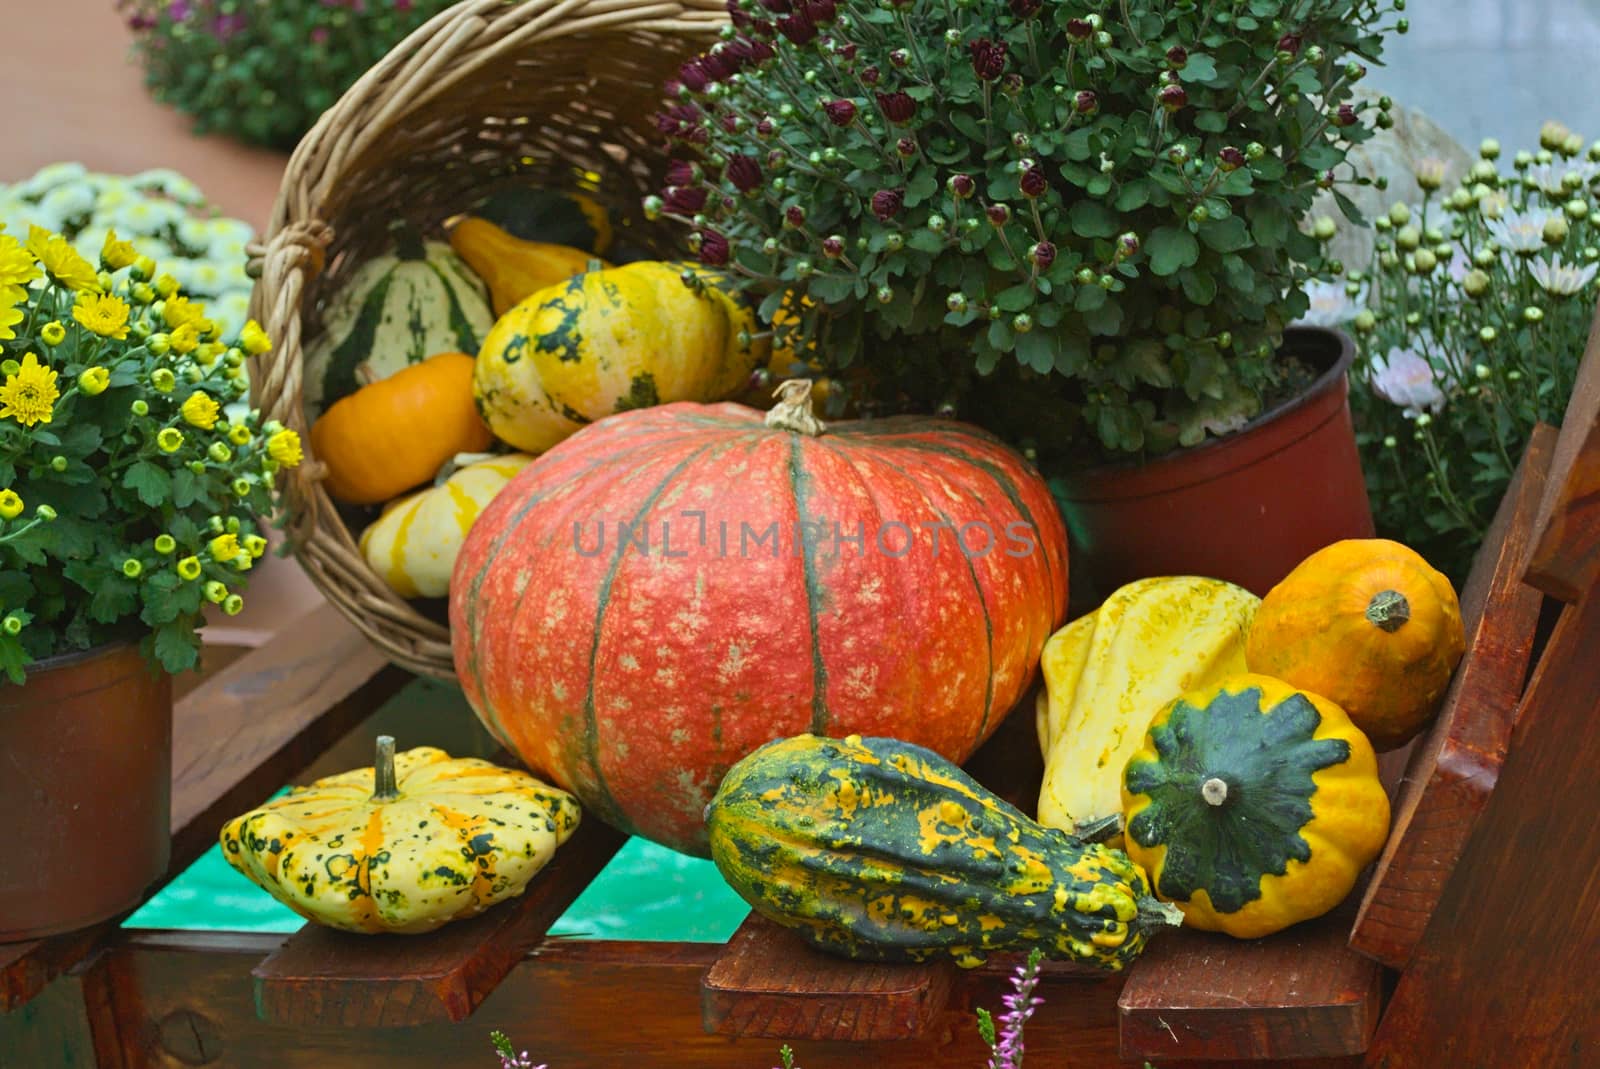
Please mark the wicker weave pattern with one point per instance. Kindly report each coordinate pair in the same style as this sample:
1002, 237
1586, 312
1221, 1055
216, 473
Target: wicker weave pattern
485, 94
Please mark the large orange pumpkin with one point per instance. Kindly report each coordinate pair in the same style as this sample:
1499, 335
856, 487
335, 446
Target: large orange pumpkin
635, 667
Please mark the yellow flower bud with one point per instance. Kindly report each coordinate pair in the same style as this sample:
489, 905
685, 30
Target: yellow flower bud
166, 286
199, 410
94, 380
284, 447
10, 504
224, 548
169, 439
53, 333
189, 568
253, 339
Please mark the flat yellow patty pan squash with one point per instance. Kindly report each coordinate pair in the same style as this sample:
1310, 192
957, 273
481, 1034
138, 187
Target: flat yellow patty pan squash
417, 841
609, 341
1369, 624
1254, 805
880, 850
1107, 674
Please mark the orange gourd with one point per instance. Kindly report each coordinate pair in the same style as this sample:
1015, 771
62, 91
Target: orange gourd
1369, 625
395, 433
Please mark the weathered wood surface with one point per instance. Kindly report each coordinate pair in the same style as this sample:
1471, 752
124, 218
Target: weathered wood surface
768, 982
321, 978
1566, 558
1454, 766
1509, 960
1298, 994
26, 968
186, 999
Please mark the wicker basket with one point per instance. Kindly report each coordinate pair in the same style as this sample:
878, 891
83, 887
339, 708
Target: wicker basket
541, 92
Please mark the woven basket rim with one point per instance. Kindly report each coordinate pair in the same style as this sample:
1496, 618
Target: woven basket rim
464, 41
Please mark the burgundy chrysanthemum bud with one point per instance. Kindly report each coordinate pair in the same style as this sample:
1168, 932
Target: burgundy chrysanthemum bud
1025, 9
1127, 243
760, 50
720, 64
731, 123
847, 51
833, 247
680, 173
998, 214
869, 75
840, 112
1177, 57
886, 203
1345, 116
1012, 84
821, 12
1230, 159
988, 58
900, 59
897, 107
693, 76
684, 200
713, 248
744, 173
1079, 30
1173, 97
1087, 102
794, 217
766, 128
1044, 254
906, 146
776, 159
1033, 182
961, 186
1290, 43
798, 28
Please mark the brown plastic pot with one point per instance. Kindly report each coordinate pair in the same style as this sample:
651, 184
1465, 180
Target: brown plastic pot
1246, 508
85, 790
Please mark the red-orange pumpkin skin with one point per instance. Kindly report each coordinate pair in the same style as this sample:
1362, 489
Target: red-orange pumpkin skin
635, 677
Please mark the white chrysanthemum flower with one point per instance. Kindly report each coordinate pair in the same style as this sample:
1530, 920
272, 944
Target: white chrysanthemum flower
1406, 379
1562, 280
47, 178
206, 280
194, 233
90, 240
224, 229
72, 201
229, 312
1520, 232
1331, 306
171, 183
1492, 205
147, 217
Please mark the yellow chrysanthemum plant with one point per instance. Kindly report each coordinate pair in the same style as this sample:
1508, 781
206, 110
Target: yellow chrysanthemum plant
129, 497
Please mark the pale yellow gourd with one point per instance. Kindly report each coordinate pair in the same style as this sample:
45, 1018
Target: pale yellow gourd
413, 545
1109, 673
416, 841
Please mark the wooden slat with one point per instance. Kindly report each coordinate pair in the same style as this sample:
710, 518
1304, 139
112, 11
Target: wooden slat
324, 978
1566, 558
1508, 962
1454, 766
1298, 994
247, 730
26, 968
768, 982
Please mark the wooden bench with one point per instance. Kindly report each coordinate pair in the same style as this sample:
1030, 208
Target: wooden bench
1474, 944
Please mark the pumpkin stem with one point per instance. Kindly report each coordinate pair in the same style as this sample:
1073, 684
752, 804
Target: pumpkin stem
384, 788
793, 410
364, 373
1154, 914
1099, 831
1214, 791
1389, 610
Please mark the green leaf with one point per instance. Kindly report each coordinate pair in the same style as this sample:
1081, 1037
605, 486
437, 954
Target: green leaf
177, 646
1037, 349
925, 240
1269, 222
1213, 122
1091, 219
1199, 286
1133, 195
1016, 298
830, 289
150, 482
1200, 68
1225, 235
1171, 249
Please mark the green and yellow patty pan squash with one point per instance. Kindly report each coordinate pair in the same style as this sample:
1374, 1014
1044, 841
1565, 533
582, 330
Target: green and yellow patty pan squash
1107, 674
418, 841
880, 850
1254, 805
608, 341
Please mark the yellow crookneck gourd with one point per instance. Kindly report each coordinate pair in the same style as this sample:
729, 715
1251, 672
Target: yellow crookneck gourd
512, 267
1108, 673
413, 843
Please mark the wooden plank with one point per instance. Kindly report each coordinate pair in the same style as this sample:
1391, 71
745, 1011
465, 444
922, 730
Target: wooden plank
52, 1032
247, 730
26, 968
1205, 996
325, 978
768, 982
1509, 959
584, 1003
1566, 558
1454, 766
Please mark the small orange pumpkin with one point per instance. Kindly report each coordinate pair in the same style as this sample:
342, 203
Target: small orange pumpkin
1369, 625
395, 433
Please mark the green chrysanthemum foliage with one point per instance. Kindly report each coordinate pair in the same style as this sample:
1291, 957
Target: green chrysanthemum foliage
1077, 222
264, 71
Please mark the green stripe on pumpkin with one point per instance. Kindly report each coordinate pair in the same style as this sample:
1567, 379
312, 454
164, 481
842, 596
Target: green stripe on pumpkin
798, 484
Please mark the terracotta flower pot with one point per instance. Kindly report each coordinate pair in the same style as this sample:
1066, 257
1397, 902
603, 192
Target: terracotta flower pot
85, 790
1246, 508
